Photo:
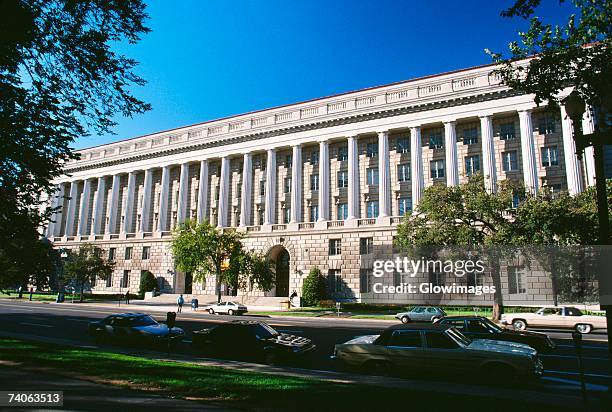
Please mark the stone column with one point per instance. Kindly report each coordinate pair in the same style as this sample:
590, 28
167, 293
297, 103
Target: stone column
588, 127
384, 176
488, 154
270, 188
55, 222
245, 196
162, 222
128, 207
181, 212
203, 192
84, 208
223, 192
113, 205
296, 185
96, 227
416, 163
573, 168
530, 169
450, 147
323, 181
353, 178
146, 201
69, 231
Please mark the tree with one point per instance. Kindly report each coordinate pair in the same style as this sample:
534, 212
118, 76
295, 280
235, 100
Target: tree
148, 283
466, 216
60, 78
85, 266
577, 53
313, 288
203, 249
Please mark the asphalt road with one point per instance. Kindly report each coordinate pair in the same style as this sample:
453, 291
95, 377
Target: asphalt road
70, 322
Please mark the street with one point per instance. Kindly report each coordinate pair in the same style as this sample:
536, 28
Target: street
69, 322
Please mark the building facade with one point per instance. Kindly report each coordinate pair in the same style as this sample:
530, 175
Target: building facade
319, 183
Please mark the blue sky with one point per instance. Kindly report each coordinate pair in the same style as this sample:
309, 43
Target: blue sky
205, 59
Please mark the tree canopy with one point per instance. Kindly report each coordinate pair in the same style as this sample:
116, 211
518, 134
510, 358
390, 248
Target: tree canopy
85, 266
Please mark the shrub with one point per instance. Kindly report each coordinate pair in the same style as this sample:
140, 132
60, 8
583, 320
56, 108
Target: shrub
148, 283
313, 288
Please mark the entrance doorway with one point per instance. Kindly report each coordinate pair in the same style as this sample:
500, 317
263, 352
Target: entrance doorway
279, 259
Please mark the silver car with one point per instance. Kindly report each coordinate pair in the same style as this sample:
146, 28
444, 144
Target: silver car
421, 314
438, 347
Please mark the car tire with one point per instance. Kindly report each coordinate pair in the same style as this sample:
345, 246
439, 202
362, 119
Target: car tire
519, 324
211, 311
378, 367
405, 319
435, 319
230, 312
584, 328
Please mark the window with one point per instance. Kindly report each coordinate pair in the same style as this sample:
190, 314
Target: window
436, 278
342, 179
314, 158
472, 165
238, 189
516, 200
406, 339
435, 140
436, 169
217, 192
372, 149
546, 124
439, 340
125, 280
314, 213
286, 215
128, 253
366, 245
146, 252
510, 161
262, 187
342, 153
403, 172
470, 135
314, 182
403, 145
260, 216
404, 205
365, 284
335, 247
550, 156
109, 281
506, 131
288, 160
287, 187
334, 277
372, 176
342, 211
111, 253
515, 280
475, 279
397, 278
372, 209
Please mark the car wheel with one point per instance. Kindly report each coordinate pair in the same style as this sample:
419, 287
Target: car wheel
211, 311
519, 324
405, 319
230, 312
378, 367
435, 319
584, 328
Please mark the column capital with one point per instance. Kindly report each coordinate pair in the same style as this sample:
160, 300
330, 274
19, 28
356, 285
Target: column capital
450, 122
382, 131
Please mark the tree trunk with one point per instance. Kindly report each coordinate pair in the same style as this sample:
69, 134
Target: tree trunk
498, 300
82, 288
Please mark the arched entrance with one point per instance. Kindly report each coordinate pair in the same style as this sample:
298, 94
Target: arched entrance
279, 259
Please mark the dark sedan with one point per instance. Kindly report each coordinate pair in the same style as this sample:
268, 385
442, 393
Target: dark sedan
479, 327
138, 328
251, 340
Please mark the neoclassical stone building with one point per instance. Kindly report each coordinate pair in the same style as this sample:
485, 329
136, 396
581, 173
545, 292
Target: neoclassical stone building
323, 182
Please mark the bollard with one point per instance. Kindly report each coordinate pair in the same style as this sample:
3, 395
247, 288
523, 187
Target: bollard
577, 337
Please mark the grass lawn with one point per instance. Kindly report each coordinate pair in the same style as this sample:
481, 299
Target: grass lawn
52, 296
384, 314
233, 387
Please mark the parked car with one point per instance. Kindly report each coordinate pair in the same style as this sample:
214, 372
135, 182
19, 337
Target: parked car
421, 314
479, 327
439, 348
138, 328
565, 317
251, 340
228, 308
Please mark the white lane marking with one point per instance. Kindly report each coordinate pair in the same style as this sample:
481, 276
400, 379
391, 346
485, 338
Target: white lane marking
35, 324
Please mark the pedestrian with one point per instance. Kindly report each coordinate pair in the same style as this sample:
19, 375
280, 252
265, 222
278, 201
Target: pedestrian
127, 297
180, 301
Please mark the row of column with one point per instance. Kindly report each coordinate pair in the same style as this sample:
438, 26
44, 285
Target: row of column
529, 166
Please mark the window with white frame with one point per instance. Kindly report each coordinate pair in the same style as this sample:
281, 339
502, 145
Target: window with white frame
546, 123
402, 145
314, 158
372, 209
343, 153
372, 176
510, 161
286, 215
404, 205
125, 280
365, 280
436, 168
403, 172
342, 179
366, 245
516, 282
314, 213
314, 183
550, 156
470, 135
435, 140
335, 247
342, 211
436, 278
262, 187
287, 185
289, 160
334, 277
506, 131
372, 149
472, 165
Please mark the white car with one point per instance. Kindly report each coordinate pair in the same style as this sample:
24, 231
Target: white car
565, 317
228, 308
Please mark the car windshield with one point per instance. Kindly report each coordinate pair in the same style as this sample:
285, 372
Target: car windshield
144, 320
458, 336
264, 331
